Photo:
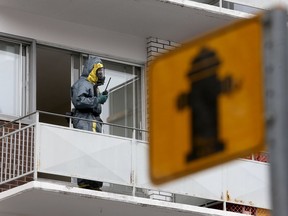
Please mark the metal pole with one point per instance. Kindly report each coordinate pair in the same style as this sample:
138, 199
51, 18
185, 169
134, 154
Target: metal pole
36, 146
277, 108
134, 161
221, 4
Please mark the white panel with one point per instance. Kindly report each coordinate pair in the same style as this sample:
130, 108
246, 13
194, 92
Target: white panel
77, 153
248, 183
198, 185
244, 182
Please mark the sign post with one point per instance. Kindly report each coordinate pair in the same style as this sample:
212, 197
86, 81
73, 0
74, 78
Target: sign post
276, 57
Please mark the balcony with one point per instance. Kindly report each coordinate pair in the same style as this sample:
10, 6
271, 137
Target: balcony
56, 155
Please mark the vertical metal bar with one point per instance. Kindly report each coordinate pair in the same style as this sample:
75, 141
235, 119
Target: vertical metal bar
36, 146
27, 148
277, 105
31, 148
6, 158
19, 152
134, 162
125, 89
10, 155
134, 114
2, 159
144, 93
20, 81
32, 76
224, 186
37, 117
27, 79
23, 149
14, 154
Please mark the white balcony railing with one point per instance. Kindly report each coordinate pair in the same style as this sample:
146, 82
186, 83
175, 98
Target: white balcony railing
17, 150
75, 153
257, 3
247, 6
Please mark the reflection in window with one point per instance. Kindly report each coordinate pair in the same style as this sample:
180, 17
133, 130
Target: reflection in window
12, 63
124, 98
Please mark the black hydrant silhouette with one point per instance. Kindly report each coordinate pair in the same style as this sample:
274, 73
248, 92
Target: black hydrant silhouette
202, 99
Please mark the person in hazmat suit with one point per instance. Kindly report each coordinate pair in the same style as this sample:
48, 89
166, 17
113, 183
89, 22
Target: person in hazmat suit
88, 101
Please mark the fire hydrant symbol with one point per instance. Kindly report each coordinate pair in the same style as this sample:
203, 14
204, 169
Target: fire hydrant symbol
202, 99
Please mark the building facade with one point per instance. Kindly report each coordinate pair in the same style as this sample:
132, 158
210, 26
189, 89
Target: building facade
44, 45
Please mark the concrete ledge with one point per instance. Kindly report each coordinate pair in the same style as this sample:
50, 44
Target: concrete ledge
50, 198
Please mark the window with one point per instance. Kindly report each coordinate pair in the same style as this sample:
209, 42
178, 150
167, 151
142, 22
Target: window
53, 83
125, 102
13, 78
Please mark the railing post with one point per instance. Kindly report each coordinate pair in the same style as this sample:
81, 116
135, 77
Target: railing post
277, 104
225, 190
36, 143
134, 161
37, 117
2, 160
3, 131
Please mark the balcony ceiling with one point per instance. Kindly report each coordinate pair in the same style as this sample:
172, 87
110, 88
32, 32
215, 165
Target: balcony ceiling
142, 18
46, 199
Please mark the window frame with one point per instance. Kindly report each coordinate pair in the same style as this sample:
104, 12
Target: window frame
25, 77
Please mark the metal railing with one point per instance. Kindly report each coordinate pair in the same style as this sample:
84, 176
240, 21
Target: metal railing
137, 133
17, 149
17, 143
18, 153
247, 6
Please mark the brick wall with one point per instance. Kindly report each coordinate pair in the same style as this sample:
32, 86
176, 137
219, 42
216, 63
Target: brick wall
156, 47
16, 156
16, 183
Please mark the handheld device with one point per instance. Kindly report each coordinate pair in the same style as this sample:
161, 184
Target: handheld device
105, 92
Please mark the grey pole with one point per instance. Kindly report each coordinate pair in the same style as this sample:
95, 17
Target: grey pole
277, 106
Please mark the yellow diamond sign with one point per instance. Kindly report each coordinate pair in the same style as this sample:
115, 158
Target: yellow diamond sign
206, 101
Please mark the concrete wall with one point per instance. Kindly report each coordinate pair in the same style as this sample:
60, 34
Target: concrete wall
70, 35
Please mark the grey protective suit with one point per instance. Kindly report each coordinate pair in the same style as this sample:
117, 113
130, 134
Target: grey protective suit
85, 97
